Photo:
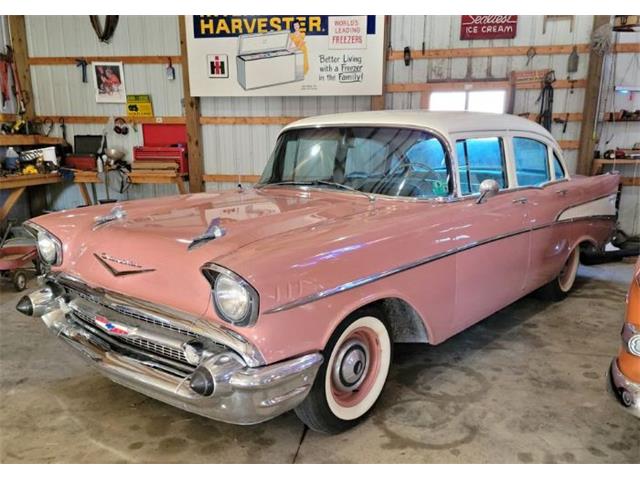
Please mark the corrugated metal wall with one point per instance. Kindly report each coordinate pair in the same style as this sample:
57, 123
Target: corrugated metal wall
623, 70
58, 89
244, 149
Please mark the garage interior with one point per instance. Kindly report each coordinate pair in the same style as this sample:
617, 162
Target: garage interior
526, 385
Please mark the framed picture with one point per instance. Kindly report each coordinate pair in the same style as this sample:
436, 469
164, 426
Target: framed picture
109, 82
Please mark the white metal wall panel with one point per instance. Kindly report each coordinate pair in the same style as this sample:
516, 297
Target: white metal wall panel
71, 36
623, 69
58, 90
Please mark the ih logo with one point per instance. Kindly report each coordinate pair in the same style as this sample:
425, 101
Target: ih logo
218, 66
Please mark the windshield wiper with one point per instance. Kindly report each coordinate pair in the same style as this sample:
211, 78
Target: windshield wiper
344, 187
311, 183
284, 182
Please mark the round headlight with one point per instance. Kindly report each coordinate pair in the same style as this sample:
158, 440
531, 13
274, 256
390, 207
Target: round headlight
47, 248
232, 298
634, 345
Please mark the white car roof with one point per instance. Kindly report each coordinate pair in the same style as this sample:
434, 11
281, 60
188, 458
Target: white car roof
446, 123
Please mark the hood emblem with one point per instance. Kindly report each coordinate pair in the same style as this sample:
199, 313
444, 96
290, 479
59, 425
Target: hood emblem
116, 213
213, 231
119, 267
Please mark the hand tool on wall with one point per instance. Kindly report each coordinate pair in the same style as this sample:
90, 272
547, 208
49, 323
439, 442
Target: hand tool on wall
63, 129
82, 63
171, 72
530, 54
4, 80
111, 22
407, 56
572, 62
545, 116
18, 93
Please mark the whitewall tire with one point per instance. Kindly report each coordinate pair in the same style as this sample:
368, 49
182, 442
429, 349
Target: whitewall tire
351, 379
558, 288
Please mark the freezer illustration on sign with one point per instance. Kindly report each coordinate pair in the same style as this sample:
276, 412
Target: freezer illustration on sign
272, 58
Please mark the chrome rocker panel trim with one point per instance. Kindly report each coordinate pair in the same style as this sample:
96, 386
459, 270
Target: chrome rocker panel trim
243, 395
619, 385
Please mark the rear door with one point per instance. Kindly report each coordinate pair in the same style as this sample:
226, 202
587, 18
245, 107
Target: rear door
491, 272
542, 179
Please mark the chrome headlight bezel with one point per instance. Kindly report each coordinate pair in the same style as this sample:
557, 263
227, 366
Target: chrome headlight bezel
631, 339
214, 273
43, 234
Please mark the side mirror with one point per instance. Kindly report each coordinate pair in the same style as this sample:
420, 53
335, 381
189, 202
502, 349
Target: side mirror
488, 188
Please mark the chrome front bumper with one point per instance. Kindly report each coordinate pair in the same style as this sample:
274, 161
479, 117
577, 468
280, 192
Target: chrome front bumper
626, 392
242, 395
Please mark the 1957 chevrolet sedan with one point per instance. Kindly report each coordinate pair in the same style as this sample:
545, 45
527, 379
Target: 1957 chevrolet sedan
365, 229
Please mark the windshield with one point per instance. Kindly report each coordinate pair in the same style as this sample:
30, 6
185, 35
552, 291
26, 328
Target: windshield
389, 161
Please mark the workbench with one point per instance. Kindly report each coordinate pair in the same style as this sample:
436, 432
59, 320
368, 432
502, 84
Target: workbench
138, 177
19, 183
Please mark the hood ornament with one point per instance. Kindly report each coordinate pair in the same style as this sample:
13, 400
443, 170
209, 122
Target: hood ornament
213, 231
117, 213
119, 267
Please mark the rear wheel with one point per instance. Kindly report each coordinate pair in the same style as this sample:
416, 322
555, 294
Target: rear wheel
357, 360
559, 287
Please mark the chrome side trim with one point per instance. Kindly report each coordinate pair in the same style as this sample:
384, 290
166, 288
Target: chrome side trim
178, 319
417, 263
578, 204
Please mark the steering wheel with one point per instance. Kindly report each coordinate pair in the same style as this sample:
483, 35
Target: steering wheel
429, 174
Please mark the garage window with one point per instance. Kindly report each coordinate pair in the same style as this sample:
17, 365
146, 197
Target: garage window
531, 162
480, 159
489, 101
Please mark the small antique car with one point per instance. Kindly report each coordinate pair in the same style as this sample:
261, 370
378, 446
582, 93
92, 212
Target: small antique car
623, 380
365, 229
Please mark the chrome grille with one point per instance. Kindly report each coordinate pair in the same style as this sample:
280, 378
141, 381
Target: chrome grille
141, 343
132, 313
156, 348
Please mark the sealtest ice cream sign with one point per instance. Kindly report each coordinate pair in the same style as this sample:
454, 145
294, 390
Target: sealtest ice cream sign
285, 55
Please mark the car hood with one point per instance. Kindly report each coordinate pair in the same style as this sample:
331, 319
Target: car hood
146, 254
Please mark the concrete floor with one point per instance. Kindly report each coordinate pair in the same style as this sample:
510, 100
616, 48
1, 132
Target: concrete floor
525, 385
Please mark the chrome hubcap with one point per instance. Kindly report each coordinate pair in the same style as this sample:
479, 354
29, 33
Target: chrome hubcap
350, 367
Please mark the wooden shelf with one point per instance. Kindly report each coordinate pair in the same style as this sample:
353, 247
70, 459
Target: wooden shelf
28, 140
20, 181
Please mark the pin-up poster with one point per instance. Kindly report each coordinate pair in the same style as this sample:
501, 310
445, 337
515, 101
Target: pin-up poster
280, 55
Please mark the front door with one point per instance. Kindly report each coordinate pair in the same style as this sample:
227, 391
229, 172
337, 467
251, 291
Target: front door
491, 270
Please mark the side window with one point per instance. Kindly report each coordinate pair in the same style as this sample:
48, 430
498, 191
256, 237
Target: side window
532, 167
478, 160
557, 167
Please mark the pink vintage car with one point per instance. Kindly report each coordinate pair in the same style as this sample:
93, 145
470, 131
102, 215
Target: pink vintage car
365, 229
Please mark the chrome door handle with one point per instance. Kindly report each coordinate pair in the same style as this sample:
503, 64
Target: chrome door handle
562, 193
521, 200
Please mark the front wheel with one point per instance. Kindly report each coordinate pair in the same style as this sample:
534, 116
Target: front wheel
558, 288
358, 356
